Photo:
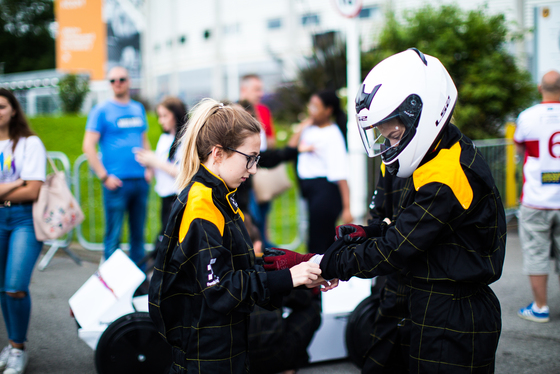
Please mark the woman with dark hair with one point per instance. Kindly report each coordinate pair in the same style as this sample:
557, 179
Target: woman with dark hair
23, 159
172, 116
322, 169
331, 100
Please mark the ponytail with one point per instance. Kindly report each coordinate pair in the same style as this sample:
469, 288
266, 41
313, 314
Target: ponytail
190, 162
210, 124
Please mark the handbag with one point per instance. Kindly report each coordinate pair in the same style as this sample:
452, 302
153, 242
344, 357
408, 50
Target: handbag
56, 211
269, 183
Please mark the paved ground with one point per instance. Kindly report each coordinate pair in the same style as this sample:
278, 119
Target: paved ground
54, 346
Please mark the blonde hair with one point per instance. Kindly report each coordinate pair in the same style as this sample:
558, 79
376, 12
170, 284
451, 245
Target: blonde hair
212, 124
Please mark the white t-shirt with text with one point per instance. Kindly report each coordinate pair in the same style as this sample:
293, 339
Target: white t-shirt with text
27, 162
538, 129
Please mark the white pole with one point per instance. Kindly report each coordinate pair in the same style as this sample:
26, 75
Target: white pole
218, 73
357, 179
520, 44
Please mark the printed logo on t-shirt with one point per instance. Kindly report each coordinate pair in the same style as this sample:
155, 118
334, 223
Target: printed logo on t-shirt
130, 122
550, 178
7, 166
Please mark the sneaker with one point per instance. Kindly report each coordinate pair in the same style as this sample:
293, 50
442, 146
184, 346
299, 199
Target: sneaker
4, 356
17, 362
530, 314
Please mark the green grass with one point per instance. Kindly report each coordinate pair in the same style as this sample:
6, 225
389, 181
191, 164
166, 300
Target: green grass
65, 134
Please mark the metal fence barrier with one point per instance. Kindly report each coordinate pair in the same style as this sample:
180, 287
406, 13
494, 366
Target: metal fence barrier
287, 221
89, 192
500, 156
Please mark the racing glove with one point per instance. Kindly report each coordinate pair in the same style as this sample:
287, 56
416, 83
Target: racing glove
279, 259
357, 233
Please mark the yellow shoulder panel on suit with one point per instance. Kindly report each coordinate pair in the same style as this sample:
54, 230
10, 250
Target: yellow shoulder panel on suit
200, 205
446, 168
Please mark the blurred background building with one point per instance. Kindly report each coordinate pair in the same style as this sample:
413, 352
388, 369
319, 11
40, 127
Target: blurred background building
194, 49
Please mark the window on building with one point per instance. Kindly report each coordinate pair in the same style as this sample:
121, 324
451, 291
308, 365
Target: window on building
274, 23
232, 29
182, 39
368, 12
310, 19
325, 40
207, 34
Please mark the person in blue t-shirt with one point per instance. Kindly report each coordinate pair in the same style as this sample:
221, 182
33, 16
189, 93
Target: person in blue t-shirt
119, 127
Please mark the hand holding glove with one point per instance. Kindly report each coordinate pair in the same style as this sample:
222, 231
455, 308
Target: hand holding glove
351, 233
356, 233
279, 259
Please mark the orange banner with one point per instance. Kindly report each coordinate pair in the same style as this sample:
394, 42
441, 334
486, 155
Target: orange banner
81, 45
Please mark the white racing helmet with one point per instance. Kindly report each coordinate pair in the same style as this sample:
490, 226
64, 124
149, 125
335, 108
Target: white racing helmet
402, 106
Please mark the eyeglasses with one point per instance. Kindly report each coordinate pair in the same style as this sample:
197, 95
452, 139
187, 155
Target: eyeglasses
251, 160
120, 80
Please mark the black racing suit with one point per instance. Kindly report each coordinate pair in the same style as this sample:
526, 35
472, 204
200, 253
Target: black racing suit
389, 351
205, 281
450, 241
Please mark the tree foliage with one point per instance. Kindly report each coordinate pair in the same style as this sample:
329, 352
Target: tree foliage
72, 92
324, 69
472, 46
25, 37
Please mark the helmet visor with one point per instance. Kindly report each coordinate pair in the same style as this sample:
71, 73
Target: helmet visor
390, 135
380, 138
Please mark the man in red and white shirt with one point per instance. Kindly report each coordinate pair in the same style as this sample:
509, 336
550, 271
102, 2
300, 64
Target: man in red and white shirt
537, 138
251, 90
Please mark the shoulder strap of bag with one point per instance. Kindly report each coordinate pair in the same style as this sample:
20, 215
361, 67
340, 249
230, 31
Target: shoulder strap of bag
52, 164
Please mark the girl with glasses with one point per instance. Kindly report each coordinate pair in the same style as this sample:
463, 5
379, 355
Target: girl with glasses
205, 280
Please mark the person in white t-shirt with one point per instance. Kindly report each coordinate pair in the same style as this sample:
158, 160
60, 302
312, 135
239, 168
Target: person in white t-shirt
22, 172
172, 116
322, 169
537, 139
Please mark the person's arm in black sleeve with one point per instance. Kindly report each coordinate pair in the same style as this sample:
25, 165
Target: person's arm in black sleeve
415, 231
273, 157
224, 288
379, 210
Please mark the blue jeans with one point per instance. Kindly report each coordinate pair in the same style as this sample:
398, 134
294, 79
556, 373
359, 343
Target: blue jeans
132, 197
19, 250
